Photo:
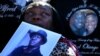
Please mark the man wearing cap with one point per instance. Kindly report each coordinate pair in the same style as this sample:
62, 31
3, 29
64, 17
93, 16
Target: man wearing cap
33, 49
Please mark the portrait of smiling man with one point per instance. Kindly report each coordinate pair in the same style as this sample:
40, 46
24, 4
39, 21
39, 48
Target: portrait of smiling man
33, 49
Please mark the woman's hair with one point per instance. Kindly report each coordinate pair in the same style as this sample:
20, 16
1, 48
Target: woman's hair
57, 23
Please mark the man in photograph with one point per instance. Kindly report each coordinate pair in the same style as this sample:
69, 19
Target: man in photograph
33, 49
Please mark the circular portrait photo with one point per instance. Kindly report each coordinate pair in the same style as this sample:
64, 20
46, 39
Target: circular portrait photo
83, 22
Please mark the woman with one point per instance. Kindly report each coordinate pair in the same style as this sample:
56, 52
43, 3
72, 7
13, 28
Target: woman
44, 15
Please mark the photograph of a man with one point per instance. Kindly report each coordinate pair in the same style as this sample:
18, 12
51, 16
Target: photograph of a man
33, 49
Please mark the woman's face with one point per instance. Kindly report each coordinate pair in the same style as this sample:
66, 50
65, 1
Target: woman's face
91, 22
39, 15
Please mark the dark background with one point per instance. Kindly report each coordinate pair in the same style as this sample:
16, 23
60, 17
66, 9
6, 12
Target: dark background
8, 25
